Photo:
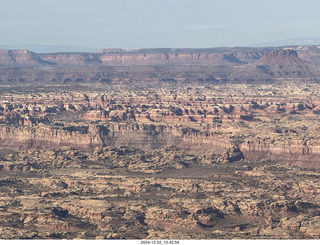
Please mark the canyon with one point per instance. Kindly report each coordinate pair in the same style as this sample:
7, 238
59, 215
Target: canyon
200, 119
160, 144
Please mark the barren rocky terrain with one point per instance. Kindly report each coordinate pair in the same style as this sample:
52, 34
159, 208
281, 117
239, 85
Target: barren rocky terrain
162, 149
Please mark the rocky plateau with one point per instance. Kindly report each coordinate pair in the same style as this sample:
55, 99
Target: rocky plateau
160, 144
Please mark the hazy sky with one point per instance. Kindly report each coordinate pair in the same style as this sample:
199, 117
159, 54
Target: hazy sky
132, 24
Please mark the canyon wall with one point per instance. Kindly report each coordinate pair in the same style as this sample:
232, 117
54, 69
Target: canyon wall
18, 138
151, 137
142, 136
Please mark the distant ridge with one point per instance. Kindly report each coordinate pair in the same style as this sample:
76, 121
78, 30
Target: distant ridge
223, 56
237, 64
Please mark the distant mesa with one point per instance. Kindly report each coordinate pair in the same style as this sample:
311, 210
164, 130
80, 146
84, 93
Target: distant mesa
284, 63
114, 65
21, 57
280, 57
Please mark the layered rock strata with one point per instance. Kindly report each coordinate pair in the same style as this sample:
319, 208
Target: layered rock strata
245, 65
265, 121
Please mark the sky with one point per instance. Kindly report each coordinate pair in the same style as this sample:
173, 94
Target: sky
134, 24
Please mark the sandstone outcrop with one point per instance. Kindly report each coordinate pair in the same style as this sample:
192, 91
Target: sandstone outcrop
107, 199
204, 120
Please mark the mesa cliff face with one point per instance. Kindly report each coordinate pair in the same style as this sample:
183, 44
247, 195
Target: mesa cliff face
26, 58
162, 65
145, 57
173, 58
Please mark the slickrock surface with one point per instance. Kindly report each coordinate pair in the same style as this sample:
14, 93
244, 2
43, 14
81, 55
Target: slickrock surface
124, 193
165, 161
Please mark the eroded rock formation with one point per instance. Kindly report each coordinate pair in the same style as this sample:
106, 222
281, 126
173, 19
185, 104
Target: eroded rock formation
149, 149
125, 193
206, 119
